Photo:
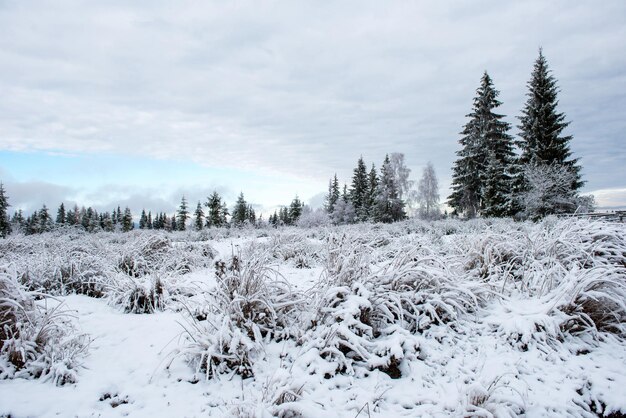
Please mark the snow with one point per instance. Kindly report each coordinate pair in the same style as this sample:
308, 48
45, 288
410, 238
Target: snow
508, 349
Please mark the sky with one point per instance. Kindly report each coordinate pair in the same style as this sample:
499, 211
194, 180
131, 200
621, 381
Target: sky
138, 103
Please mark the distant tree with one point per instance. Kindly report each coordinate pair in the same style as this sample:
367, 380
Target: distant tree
358, 190
106, 222
72, 216
5, 225
333, 194
143, 220
401, 175
173, 226
372, 188
428, 193
61, 215
541, 132
45, 220
182, 215
17, 221
283, 216
251, 215
240, 211
295, 210
199, 217
127, 220
149, 223
389, 207
217, 211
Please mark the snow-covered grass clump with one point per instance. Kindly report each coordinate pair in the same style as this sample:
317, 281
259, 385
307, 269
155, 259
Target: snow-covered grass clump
462, 318
36, 340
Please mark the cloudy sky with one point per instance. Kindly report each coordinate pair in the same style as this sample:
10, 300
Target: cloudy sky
137, 103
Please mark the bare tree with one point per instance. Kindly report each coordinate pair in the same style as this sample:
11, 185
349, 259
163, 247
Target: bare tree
550, 191
401, 175
428, 193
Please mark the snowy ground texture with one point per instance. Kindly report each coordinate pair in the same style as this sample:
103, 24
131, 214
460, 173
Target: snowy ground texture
451, 318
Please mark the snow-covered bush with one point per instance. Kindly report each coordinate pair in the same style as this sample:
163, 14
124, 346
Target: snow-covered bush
249, 305
138, 295
36, 341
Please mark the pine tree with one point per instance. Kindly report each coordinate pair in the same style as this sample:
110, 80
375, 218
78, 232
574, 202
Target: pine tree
5, 226
215, 218
541, 130
127, 220
333, 195
182, 215
143, 220
388, 207
61, 215
18, 221
295, 210
372, 188
199, 217
45, 221
149, 223
251, 215
358, 190
486, 156
240, 211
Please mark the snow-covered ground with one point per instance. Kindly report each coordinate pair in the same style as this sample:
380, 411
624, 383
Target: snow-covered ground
412, 319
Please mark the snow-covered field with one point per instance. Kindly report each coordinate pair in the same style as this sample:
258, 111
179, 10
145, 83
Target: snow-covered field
450, 318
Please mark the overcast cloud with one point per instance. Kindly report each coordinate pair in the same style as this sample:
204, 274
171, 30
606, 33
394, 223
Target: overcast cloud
301, 89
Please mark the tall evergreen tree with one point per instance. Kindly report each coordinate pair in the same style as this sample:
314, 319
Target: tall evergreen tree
182, 215
214, 205
61, 215
5, 226
358, 190
149, 223
486, 155
388, 207
372, 189
199, 217
45, 220
127, 220
333, 194
541, 130
240, 211
295, 210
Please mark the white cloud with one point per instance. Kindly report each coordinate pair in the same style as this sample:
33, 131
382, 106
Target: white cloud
299, 88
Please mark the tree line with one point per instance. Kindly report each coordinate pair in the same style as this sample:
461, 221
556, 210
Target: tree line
217, 215
495, 175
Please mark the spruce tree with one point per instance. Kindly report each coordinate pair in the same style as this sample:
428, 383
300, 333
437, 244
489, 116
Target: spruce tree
295, 210
240, 211
358, 190
372, 188
149, 225
214, 204
199, 217
486, 156
45, 221
333, 195
541, 130
143, 220
61, 215
388, 206
182, 215
127, 220
5, 226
